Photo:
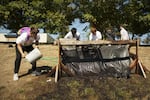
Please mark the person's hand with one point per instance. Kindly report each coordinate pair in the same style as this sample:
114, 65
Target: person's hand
23, 55
37, 46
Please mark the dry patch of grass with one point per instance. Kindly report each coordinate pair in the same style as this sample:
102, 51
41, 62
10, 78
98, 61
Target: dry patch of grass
68, 88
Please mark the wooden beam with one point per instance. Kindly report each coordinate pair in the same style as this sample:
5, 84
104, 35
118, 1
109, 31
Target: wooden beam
58, 67
69, 42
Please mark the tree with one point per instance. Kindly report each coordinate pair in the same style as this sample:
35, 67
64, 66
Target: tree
135, 16
55, 15
105, 13
44, 14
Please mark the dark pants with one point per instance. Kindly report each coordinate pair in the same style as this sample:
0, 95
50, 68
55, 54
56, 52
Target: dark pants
18, 58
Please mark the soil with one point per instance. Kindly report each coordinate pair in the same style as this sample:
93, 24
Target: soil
43, 87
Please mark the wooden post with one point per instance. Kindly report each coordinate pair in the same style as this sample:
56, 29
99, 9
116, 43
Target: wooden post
58, 66
139, 65
56, 74
137, 56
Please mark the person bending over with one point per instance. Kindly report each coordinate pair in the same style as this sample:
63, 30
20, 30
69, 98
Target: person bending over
24, 42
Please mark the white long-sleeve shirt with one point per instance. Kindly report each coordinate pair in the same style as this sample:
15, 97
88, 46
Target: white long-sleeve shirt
26, 40
70, 36
97, 36
124, 34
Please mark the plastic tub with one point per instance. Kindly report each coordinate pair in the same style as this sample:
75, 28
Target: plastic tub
34, 55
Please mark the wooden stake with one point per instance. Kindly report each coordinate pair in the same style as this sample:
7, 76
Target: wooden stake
141, 68
56, 74
58, 66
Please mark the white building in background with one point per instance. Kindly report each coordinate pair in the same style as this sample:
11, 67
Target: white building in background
3, 38
46, 38
11, 37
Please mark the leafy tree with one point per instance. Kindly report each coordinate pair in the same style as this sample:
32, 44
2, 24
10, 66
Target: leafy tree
55, 15
44, 14
135, 16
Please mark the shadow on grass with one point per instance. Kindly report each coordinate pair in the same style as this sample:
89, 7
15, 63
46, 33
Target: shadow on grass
42, 69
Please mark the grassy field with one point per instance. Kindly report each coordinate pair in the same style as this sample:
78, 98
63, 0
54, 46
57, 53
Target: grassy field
68, 88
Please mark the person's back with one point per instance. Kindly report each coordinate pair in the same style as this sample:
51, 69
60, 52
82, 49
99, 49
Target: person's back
124, 34
24, 36
24, 29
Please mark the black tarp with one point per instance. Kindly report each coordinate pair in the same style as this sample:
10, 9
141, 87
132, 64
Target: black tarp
102, 60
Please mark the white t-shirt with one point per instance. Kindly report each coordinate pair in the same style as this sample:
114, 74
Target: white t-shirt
124, 34
70, 36
97, 36
26, 40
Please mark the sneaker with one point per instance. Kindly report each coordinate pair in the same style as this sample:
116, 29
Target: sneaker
15, 77
36, 73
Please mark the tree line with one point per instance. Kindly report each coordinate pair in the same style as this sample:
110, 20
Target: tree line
54, 16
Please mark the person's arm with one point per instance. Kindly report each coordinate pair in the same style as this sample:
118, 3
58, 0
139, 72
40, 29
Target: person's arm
78, 35
37, 41
20, 50
99, 35
122, 34
90, 36
68, 35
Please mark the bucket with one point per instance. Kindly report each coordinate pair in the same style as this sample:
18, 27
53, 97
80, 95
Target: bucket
34, 55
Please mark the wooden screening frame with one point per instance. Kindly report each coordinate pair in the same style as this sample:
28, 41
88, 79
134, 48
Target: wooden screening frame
71, 42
